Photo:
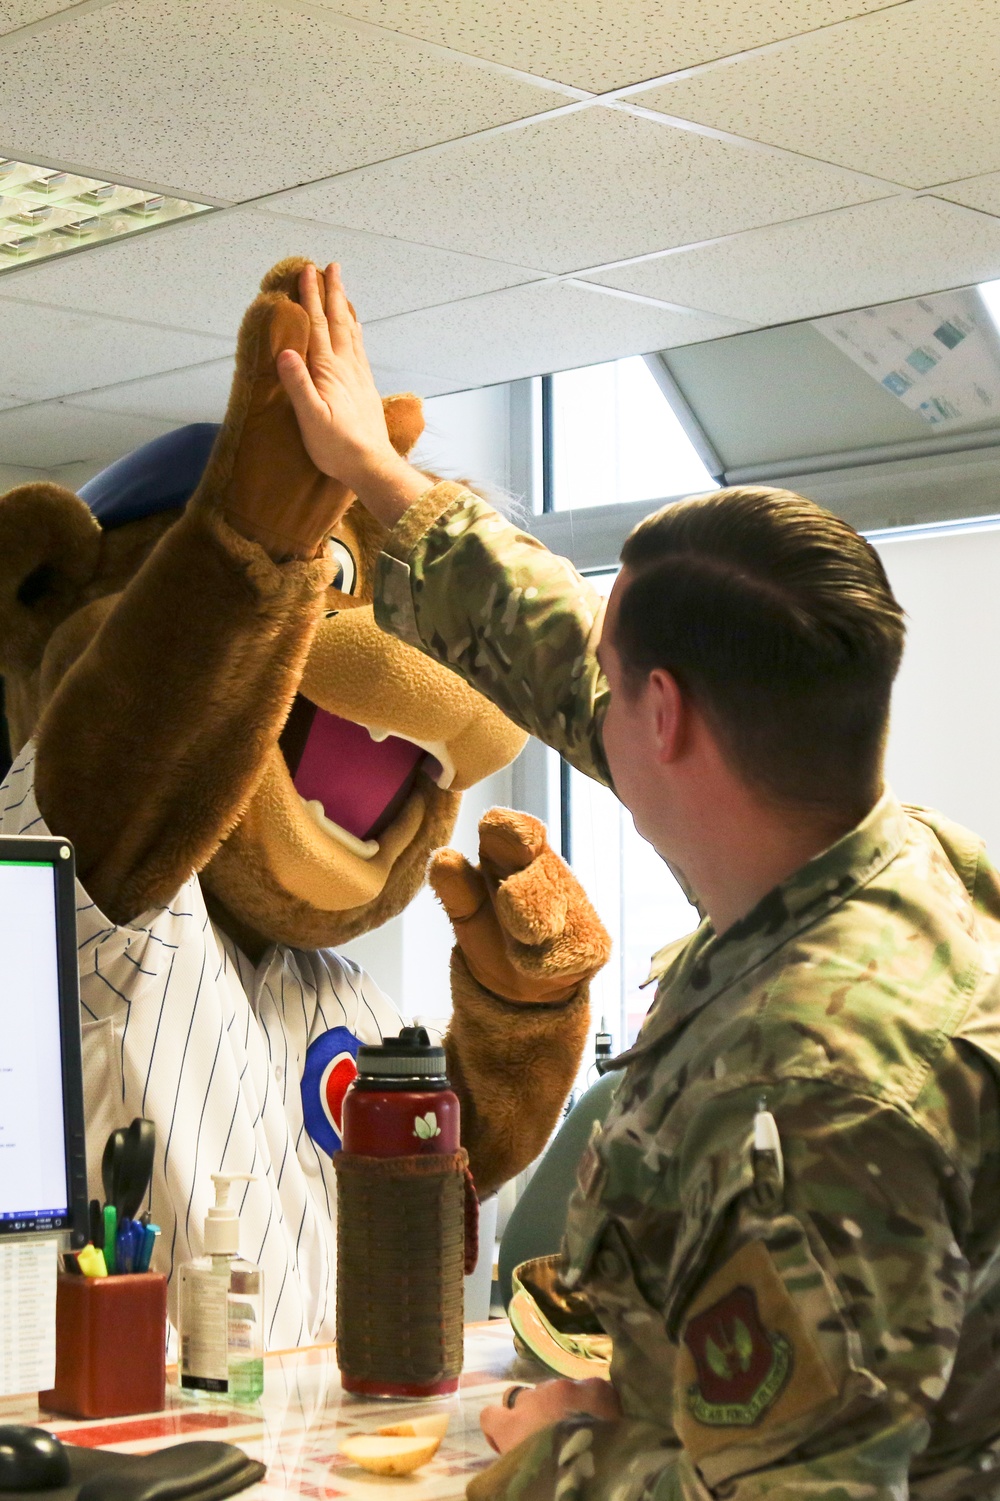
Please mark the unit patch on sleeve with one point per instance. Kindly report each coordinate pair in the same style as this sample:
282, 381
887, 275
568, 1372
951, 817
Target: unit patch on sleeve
741, 1366
747, 1362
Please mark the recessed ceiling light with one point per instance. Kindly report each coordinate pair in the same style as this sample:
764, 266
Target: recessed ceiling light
44, 212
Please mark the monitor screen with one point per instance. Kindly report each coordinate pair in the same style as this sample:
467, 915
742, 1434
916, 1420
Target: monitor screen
40, 1076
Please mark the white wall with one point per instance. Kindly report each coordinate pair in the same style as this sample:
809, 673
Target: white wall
944, 744
467, 436
409, 956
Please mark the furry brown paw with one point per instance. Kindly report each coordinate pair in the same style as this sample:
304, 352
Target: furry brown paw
521, 918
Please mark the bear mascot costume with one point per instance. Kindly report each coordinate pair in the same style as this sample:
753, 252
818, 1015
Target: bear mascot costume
251, 772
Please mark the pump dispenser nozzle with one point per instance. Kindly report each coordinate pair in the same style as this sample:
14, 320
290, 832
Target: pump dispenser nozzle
222, 1223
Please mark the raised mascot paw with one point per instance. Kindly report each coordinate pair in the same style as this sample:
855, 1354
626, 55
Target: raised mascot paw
268, 487
521, 918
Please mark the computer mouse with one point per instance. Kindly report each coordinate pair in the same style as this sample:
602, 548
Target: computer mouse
31, 1459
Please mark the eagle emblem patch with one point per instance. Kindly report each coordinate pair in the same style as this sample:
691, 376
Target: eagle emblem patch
741, 1366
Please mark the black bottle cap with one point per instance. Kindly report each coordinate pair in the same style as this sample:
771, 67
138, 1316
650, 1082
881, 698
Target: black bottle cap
408, 1056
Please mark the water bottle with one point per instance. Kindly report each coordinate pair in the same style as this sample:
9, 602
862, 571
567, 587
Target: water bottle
406, 1223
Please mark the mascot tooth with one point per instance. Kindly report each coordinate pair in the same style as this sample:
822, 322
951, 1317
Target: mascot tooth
251, 773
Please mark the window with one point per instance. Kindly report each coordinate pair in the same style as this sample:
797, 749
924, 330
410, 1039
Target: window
636, 897
614, 438
610, 436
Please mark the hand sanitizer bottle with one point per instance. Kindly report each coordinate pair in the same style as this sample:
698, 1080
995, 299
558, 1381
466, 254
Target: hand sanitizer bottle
222, 1308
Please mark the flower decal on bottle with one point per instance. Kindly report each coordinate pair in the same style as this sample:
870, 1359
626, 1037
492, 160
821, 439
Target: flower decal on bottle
426, 1126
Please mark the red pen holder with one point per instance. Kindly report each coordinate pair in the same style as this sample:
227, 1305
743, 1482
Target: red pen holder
111, 1339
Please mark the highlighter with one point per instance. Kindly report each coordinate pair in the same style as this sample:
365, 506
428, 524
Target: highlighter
91, 1262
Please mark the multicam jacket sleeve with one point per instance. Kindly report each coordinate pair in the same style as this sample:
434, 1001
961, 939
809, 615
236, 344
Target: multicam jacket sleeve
464, 586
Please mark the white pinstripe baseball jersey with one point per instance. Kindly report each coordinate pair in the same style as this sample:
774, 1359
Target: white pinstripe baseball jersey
242, 1067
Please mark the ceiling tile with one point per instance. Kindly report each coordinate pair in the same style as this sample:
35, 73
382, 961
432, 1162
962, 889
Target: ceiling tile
50, 352
602, 44
908, 94
978, 192
51, 433
12, 475
200, 393
21, 12
529, 331
9, 401
576, 191
394, 382
151, 277
18, 13
237, 98
197, 394
877, 252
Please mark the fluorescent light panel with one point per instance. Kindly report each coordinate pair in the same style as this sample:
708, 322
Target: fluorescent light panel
989, 291
44, 212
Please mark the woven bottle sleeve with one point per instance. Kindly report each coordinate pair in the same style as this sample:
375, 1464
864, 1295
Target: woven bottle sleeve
401, 1228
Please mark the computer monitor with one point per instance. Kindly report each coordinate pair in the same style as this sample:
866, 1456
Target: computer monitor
43, 1167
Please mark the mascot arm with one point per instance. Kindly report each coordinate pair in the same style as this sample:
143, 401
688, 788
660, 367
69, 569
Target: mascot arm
153, 739
512, 1067
528, 944
156, 727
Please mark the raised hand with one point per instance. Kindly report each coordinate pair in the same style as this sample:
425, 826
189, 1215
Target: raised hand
331, 388
274, 492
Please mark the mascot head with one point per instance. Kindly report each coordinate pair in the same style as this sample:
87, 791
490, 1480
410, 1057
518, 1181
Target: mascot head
366, 776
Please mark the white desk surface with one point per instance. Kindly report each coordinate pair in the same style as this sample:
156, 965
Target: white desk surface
298, 1425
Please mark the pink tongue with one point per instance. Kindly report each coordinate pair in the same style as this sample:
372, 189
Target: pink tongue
355, 777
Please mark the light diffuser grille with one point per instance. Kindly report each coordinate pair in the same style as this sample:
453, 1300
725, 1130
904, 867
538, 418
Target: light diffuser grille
44, 212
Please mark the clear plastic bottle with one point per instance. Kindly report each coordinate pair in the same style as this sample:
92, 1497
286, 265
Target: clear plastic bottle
222, 1309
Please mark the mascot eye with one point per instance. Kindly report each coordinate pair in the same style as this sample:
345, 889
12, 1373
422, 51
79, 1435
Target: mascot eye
345, 574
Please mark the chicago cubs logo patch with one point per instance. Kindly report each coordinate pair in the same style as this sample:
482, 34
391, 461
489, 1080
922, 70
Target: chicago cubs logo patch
330, 1069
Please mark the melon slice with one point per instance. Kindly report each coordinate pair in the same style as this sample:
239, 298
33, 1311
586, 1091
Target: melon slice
388, 1455
432, 1425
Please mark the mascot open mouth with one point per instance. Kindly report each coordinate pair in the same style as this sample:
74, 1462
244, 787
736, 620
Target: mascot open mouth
354, 780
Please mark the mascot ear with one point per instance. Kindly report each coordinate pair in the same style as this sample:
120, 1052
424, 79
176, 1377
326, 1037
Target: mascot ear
404, 417
49, 545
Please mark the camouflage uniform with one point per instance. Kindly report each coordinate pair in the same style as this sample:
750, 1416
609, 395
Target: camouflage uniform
822, 1326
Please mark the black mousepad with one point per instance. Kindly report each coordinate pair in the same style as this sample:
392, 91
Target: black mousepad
201, 1470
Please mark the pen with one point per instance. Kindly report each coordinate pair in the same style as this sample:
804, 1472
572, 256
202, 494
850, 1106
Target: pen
110, 1235
150, 1232
124, 1247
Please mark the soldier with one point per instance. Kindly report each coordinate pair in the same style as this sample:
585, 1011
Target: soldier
790, 1222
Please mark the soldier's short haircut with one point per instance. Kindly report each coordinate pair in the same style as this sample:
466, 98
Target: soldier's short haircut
778, 619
